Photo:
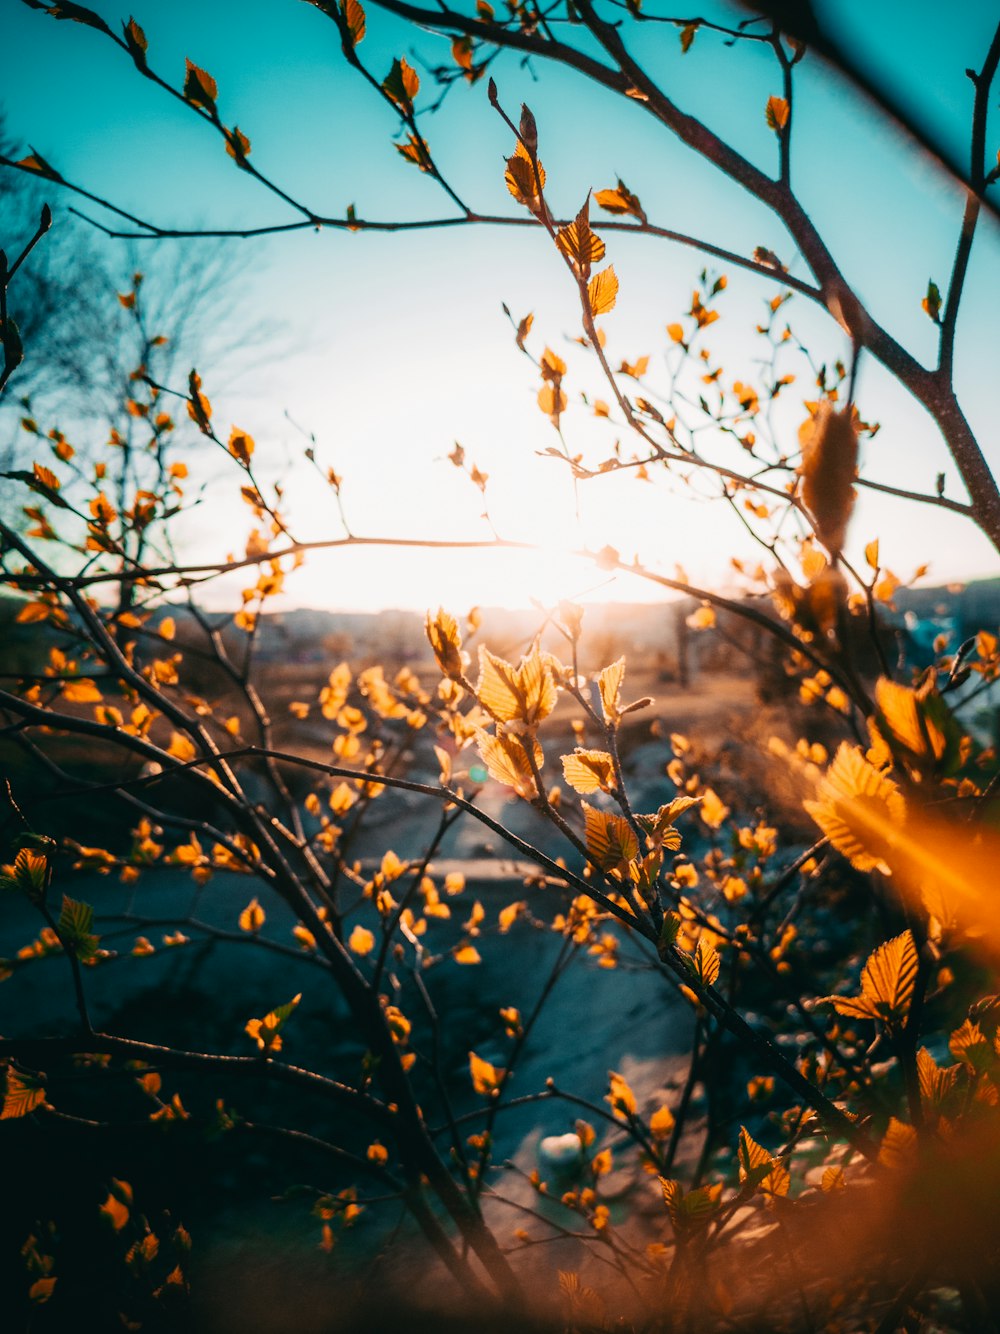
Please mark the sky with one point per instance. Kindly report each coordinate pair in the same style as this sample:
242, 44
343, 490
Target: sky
390, 348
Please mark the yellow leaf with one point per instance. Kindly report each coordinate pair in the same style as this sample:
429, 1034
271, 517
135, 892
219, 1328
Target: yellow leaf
361, 941
886, 587
889, 976
589, 771
702, 619
241, 446
602, 291
713, 809
900, 710
635, 369
466, 954
507, 762
676, 332
552, 400
525, 694
446, 642
620, 200
485, 1077
333, 696
661, 1123
871, 554
81, 691
552, 366
609, 683
611, 842
753, 1159
167, 628
582, 246
706, 961
600, 1164
182, 748
620, 1097
521, 179
252, 917
508, 916
858, 809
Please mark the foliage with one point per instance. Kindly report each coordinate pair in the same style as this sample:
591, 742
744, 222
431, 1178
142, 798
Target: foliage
826, 1160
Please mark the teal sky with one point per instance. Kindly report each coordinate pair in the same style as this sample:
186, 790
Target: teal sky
396, 345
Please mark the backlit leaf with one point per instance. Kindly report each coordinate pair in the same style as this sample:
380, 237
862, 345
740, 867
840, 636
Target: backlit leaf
446, 641
237, 144
889, 976
524, 694
968, 1044
706, 961
507, 762
354, 18
759, 1170
521, 178
75, 921
611, 841
899, 1145
858, 809
22, 1095
402, 84
361, 941
902, 713
485, 1077
582, 246
589, 771
620, 1097
936, 1083
602, 291
266, 1032
776, 113
28, 873
609, 683
252, 917
136, 41
241, 446
200, 88
620, 200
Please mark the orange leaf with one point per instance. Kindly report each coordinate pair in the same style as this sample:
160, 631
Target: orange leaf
200, 89
602, 291
776, 113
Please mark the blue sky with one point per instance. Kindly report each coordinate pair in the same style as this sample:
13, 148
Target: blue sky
398, 343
